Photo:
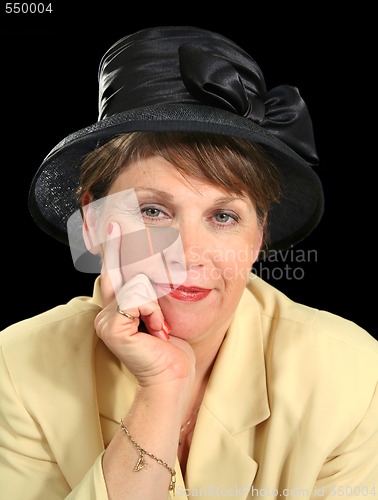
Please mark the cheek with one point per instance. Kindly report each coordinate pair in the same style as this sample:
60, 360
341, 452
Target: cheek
235, 264
237, 255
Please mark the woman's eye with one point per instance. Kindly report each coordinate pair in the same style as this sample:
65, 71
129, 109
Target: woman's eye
154, 215
224, 218
151, 212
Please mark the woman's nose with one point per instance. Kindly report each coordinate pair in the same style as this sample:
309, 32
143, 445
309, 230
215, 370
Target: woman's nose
195, 243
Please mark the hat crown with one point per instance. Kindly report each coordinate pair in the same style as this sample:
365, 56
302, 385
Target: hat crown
177, 65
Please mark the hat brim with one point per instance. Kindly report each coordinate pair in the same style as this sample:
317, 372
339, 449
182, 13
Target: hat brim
53, 199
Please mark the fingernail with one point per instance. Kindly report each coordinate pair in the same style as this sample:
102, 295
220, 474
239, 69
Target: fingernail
165, 328
110, 228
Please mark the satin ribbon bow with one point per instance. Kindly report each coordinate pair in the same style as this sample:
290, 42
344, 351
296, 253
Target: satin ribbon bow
239, 87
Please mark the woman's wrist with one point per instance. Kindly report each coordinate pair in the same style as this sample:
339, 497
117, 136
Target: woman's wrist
174, 393
175, 380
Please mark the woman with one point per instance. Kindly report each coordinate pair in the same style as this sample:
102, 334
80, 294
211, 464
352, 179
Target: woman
184, 374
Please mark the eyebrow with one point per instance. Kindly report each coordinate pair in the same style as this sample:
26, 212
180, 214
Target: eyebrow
228, 199
163, 194
168, 196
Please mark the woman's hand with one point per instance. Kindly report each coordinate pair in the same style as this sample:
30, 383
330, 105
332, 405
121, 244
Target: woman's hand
152, 356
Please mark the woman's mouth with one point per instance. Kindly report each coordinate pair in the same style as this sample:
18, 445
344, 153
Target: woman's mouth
186, 293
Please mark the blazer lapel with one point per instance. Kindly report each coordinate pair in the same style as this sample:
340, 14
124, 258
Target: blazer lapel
217, 462
221, 453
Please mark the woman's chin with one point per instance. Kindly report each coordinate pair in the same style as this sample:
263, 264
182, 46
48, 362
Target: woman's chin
190, 317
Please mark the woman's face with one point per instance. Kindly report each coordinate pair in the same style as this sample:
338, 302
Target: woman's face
220, 240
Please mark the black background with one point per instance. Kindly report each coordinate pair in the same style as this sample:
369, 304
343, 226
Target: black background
49, 89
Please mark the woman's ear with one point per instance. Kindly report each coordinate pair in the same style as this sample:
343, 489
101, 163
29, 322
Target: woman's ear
89, 223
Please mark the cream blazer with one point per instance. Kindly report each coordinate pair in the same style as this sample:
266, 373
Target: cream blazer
291, 408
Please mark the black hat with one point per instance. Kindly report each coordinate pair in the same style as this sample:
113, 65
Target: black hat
189, 79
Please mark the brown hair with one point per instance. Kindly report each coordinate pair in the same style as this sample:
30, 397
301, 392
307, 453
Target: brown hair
236, 165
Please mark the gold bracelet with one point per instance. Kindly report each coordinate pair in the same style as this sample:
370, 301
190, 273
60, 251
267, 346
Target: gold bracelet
142, 463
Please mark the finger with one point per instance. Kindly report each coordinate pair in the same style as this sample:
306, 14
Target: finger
136, 293
152, 317
111, 276
113, 327
138, 297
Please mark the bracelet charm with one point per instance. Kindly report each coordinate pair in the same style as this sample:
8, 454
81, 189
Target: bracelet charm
141, 462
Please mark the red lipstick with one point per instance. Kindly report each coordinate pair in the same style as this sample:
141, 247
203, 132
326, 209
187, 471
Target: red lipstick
189, 293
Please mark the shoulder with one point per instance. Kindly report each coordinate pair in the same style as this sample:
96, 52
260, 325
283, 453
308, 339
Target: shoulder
49, 353
51, 334
313, 350
315, 359
293, 319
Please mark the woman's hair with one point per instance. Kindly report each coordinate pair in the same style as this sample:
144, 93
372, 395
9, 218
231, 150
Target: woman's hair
236, 165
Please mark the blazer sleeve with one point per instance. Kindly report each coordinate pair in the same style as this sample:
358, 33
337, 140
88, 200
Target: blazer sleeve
28, 469
352, 469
